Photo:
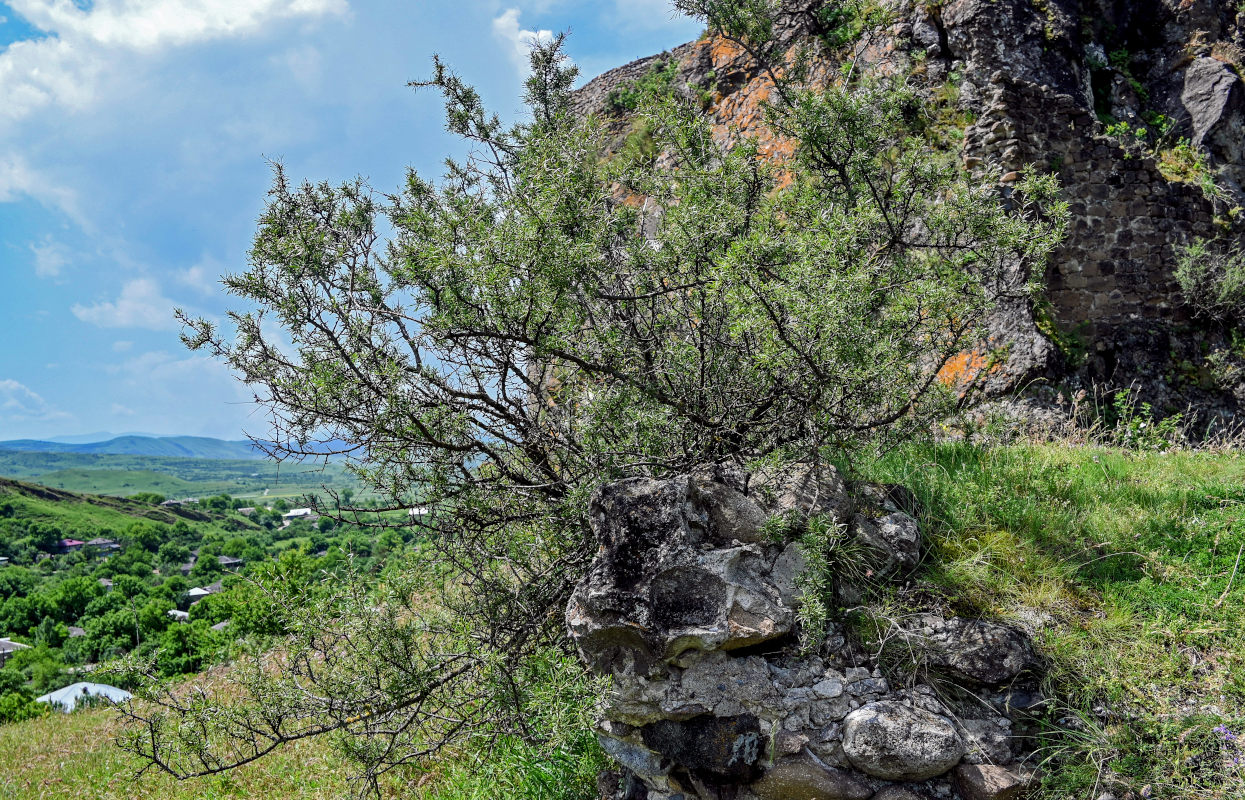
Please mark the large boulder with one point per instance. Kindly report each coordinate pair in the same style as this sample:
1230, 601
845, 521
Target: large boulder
1214, 97
806, 779
991, 782
690, 607
672, 575
890, 740
804, 489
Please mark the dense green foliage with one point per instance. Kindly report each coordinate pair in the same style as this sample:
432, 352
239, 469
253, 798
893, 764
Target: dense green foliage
1212, 280
550, 316
118, 594
656, 80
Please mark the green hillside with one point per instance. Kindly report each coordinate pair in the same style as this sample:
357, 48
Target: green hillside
125, 475
72, 511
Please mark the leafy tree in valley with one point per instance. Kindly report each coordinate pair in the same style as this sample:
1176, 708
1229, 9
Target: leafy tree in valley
146, 535
172, 555
148, 498
550, 317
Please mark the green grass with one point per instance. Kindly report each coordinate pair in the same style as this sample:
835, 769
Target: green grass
1124, 564
71, 512
73, 756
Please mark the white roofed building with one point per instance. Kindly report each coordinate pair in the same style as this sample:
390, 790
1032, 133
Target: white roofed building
68, 698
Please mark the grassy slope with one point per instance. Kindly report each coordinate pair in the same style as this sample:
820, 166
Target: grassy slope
81, 512
1121, 562
73, 756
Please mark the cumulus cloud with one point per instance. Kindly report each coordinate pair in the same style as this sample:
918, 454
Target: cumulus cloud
140, 305
518, 41
50, 258
84, 43
19, 404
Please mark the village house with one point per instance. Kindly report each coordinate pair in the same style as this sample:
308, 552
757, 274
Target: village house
8, 647
295, 514
199, 592
68, 545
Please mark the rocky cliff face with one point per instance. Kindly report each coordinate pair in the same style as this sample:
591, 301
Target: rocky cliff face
1044, 85
691, 609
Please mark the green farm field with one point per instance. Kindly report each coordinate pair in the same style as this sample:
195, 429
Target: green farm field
124, 475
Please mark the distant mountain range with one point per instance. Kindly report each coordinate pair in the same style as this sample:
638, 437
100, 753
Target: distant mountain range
168, 446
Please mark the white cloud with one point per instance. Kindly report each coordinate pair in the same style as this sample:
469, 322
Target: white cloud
140, 305
50, 258
17, 178
122, 411
519, 41
20, 404
84, 45
122, 346
202, 277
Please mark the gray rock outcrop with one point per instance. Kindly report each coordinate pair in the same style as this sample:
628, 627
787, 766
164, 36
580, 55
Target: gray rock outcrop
691, 607
1042, 87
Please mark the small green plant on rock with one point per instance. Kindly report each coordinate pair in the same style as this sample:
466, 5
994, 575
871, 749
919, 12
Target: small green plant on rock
1137, 429
1185, 163
657, 80
832, 557
1212, 281
846, 21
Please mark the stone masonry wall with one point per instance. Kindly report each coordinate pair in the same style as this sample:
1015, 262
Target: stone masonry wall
1116, 265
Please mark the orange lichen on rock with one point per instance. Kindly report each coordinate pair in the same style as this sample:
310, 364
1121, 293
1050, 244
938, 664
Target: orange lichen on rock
964, 370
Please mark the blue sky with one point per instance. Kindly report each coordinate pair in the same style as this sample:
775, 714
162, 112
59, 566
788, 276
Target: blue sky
133, 143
